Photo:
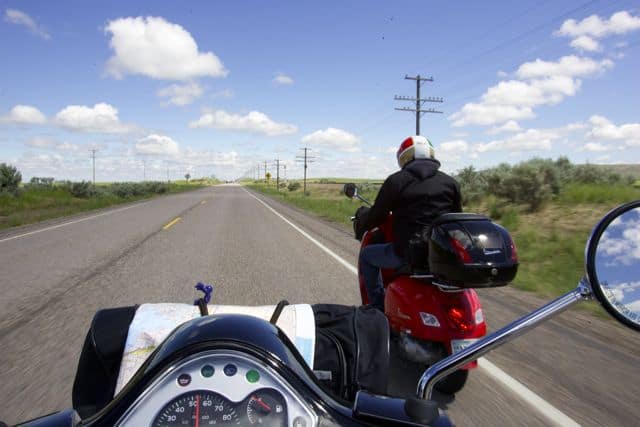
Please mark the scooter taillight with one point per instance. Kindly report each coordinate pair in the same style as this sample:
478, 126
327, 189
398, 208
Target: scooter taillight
461, 251
459, 320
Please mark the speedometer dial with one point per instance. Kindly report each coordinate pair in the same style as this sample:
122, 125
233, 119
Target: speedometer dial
197, 408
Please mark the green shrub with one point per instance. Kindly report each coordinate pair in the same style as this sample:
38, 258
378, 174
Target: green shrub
293, 186
473, 185
526, 185
10, 178
82, 189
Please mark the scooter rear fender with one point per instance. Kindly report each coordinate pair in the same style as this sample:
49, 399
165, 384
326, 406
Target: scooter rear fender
421, 310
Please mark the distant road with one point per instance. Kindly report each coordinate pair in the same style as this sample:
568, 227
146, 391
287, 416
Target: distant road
55, 276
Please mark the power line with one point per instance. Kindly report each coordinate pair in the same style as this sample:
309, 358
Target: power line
419, 101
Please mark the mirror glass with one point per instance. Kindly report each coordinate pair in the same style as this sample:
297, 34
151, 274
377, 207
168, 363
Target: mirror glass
350, 190
617, 267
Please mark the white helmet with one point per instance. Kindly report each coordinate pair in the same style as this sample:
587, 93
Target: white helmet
415, 147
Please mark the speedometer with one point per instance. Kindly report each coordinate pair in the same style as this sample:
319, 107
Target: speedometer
195, 409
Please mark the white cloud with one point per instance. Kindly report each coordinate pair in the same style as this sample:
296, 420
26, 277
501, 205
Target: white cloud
40, 142
595, 146
453, 146
541, 83
619, 23
586, 33
159, 49
101, 118
510, 126
68, 147
572, 127
254, 121
624, 249
486, 114
529, 140
24, 115
41, 164
603, 129
225, 93
17, 17
181, 94
452, 150
282, 80
585, 43
570, 66
158, 145
333, 138
205, 158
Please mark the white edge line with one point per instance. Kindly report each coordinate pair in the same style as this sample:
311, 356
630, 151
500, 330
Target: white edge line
547, 410
301, 231
53, 227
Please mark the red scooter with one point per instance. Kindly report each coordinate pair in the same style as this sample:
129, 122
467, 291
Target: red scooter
435, 313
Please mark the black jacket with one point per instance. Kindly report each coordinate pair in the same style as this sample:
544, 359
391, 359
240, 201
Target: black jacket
416, 194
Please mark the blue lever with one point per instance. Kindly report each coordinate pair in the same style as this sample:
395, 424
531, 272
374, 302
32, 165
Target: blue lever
206, 289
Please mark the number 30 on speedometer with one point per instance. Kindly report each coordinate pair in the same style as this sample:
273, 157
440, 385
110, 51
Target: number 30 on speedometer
197, 408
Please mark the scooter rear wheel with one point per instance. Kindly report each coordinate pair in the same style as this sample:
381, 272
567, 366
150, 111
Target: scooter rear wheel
453, 383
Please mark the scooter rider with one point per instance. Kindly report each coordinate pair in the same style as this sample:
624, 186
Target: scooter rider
416, 195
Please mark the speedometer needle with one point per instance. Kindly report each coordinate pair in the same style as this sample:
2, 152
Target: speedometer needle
261, 403
197, 410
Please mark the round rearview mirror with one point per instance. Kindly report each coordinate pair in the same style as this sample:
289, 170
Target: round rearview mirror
613, 263
350, 190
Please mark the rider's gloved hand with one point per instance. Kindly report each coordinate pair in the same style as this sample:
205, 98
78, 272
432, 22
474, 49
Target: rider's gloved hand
361, 219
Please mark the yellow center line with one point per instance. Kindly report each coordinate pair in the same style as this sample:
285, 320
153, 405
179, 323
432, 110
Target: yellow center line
171, 223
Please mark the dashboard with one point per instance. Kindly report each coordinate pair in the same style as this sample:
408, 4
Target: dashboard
219, 388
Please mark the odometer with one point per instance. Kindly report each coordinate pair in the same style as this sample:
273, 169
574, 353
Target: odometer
197, 408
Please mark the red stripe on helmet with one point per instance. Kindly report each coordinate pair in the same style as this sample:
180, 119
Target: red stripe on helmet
405, 144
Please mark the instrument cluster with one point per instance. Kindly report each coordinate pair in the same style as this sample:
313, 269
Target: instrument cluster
219, 388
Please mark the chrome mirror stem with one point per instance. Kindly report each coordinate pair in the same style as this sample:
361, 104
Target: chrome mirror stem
363, 199
518, 327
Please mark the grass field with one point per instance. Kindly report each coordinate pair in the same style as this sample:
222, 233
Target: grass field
34, 205
550, 242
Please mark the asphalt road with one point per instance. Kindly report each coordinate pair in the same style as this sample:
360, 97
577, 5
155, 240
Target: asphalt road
54, 276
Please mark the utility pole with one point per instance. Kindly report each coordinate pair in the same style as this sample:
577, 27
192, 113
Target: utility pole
166, 162
306, 159
265, 172
93, 157
278, 173
144, 169
419, 101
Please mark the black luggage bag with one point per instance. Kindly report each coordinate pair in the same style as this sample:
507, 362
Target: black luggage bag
352, 349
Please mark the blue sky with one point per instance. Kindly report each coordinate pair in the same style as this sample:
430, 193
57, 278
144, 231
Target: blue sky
216, 87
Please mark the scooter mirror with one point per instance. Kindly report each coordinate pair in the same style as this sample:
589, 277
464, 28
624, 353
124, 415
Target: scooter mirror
613, 263
350, 190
